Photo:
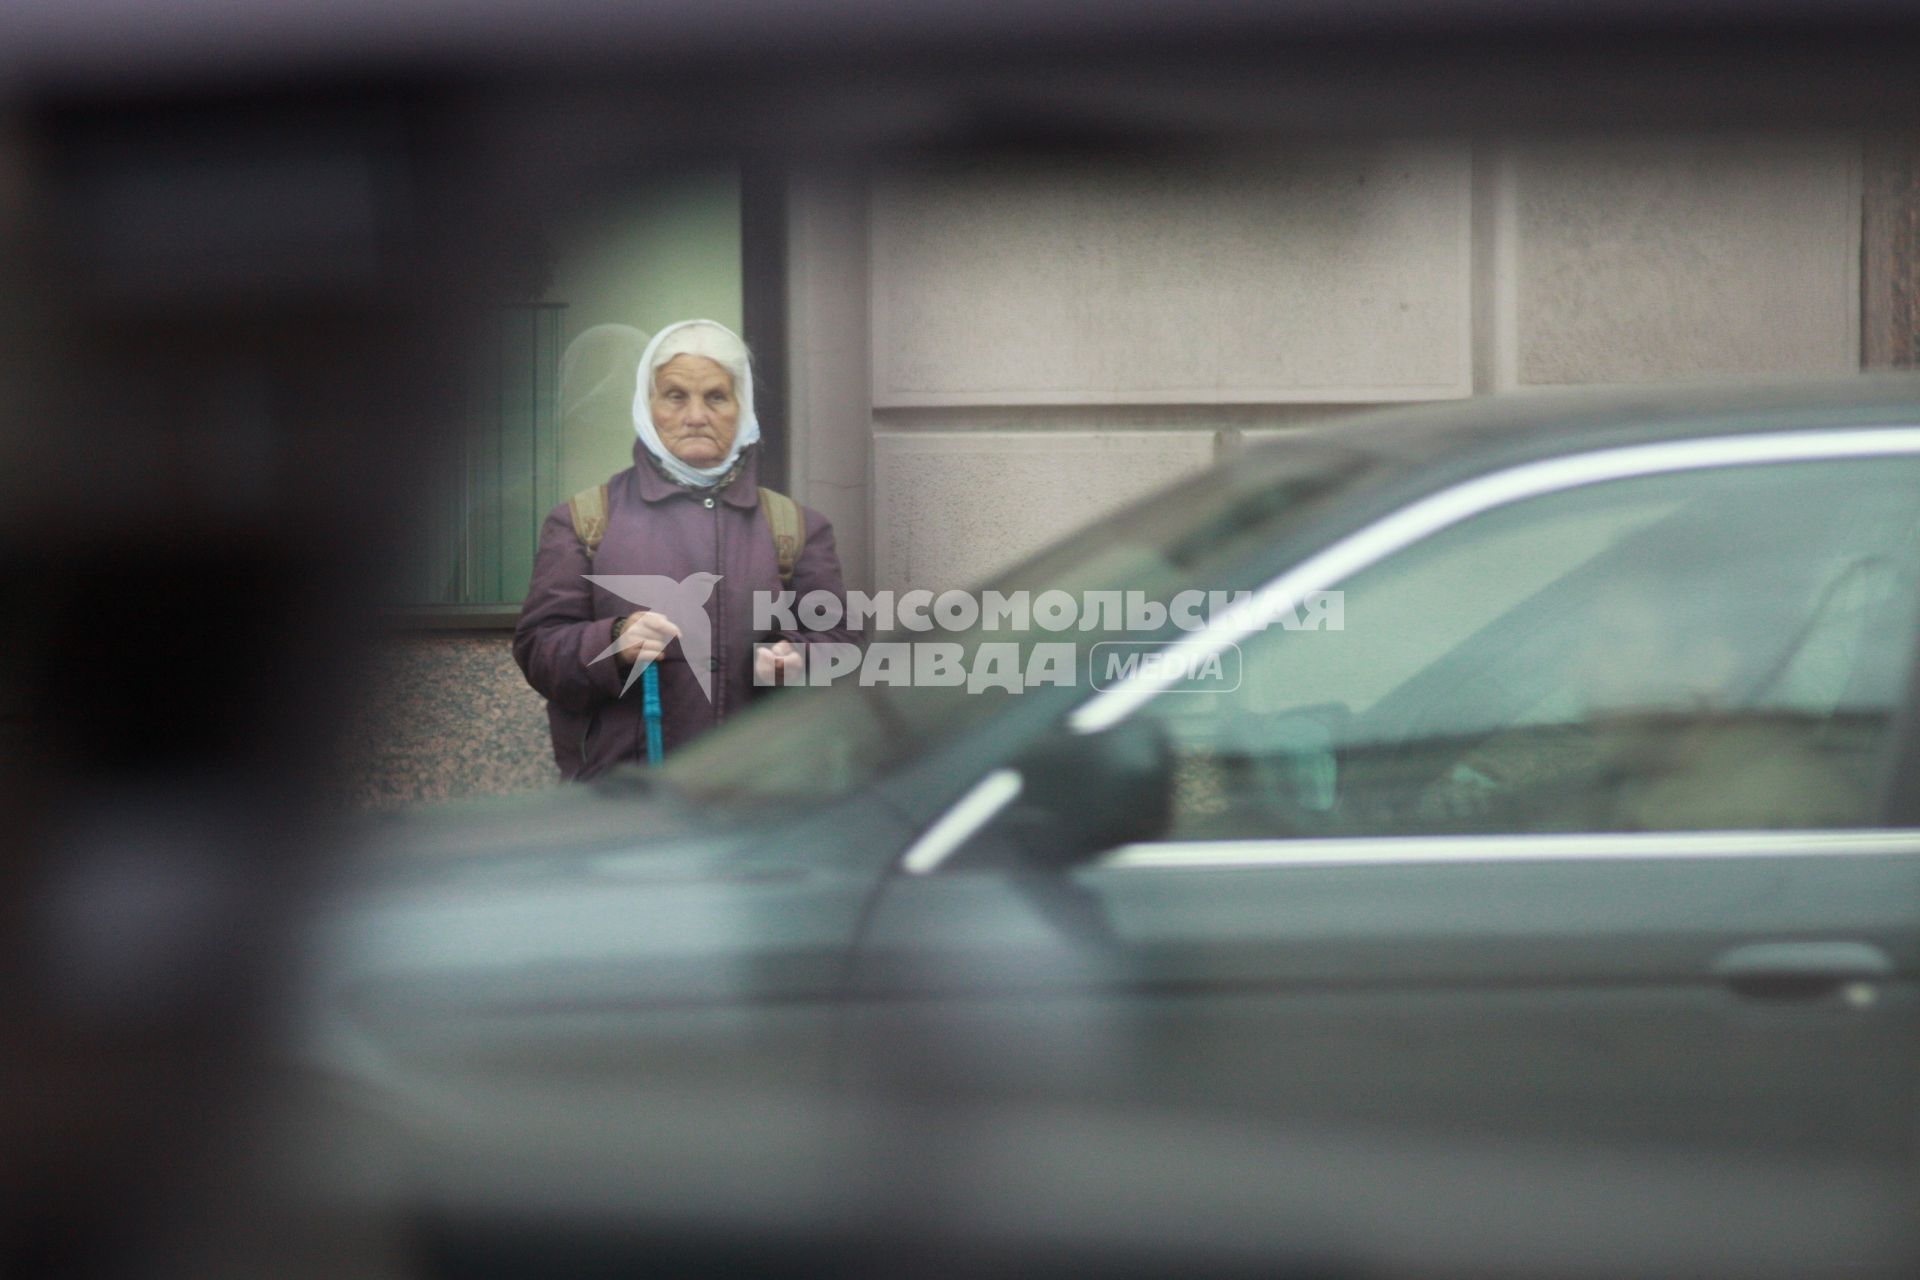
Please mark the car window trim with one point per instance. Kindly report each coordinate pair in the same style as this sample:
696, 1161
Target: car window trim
1426, 850
1426, 516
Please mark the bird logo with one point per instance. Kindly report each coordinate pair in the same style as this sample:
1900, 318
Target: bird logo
683, 601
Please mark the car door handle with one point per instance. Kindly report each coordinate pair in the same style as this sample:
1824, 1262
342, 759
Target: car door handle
1799, 970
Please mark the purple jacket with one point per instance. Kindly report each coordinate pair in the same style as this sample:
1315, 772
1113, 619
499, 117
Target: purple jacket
656, 527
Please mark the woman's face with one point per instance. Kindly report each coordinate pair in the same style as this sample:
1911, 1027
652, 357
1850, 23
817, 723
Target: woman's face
694, 410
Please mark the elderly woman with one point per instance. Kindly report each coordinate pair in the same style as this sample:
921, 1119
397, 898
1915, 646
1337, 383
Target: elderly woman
688, 538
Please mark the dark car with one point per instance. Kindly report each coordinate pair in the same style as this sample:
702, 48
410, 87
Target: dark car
1522, 877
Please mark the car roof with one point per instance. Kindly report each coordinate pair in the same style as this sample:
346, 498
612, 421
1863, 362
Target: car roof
1522, 426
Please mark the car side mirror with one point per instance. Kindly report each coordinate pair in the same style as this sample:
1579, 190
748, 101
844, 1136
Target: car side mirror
1083, 794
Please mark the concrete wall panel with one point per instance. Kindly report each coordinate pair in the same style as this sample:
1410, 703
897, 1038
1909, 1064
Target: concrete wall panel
1668, 258
954, 508
1326, 275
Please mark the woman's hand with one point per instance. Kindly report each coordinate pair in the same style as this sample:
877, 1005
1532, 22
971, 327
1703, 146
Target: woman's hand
778, 663
644, 637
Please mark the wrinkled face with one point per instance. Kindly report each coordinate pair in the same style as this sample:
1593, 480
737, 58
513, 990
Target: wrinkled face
694, 410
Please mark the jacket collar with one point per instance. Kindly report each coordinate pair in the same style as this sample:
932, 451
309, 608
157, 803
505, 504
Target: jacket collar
655, 485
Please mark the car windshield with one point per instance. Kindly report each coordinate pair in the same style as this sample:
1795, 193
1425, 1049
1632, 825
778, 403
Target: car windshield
817, 743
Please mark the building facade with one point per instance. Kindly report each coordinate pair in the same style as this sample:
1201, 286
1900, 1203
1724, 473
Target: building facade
987, 352
980, 352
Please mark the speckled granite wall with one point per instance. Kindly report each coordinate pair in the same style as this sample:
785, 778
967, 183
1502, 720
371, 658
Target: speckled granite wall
447, 716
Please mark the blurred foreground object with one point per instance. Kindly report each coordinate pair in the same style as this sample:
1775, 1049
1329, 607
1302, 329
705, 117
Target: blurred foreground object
233, 351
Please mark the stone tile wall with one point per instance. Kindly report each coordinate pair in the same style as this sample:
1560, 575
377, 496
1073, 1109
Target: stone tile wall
446, 716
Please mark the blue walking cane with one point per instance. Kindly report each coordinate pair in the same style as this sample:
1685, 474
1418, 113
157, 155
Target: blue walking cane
650, 707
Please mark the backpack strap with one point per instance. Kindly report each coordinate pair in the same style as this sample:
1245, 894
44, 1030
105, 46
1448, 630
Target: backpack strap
789, 531
589, 510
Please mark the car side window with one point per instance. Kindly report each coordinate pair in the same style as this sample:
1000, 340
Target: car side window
1710, 649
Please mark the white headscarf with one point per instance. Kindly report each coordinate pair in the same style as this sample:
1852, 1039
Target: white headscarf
721, 345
